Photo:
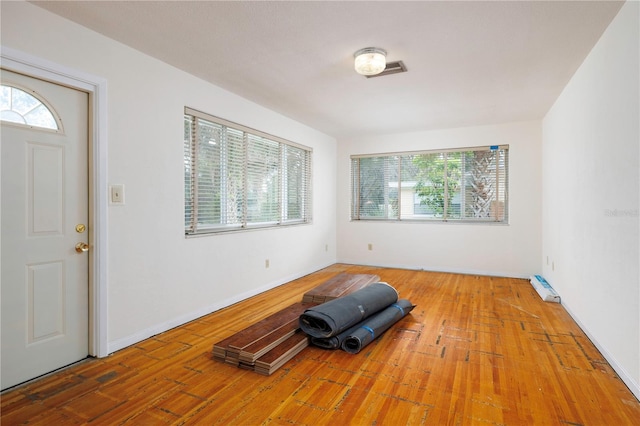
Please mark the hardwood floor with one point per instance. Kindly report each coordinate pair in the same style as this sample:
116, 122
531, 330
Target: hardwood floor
475, 350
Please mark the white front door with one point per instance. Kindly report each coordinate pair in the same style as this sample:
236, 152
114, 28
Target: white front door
44, 215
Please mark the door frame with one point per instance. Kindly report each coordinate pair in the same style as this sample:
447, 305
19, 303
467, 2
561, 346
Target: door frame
96, 87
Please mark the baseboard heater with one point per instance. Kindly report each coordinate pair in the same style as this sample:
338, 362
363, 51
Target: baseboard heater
544, 289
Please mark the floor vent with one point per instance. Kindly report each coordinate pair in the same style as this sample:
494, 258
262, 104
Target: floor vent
391, 68
544, 289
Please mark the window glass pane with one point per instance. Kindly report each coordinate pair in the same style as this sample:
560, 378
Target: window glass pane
5, 98
437, 183
453, 186
263, 180
378, 187
468, 185
232, 187
22, 102
12, 116
295, 182
479, 183
410, 205
500, 207
188, 172
40, 116
209, 171
485, 185
18, 106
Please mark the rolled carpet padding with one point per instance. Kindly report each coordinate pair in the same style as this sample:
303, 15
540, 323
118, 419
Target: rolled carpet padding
364, 333
333, 317
333, 342
367, 330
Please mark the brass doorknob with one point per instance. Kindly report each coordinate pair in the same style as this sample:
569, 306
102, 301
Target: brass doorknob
82, 247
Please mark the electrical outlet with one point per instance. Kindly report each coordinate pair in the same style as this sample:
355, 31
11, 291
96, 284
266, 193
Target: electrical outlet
266, 263
370, 246
326, 247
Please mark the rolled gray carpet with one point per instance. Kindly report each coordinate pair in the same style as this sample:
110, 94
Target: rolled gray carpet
364, 333
333, 317
335, 342
372, 326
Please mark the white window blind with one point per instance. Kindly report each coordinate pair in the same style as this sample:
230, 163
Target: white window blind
239, 178
467, 185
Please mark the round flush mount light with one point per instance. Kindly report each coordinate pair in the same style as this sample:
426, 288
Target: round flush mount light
370, 60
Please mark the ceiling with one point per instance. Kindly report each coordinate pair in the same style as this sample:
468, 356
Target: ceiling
469, 63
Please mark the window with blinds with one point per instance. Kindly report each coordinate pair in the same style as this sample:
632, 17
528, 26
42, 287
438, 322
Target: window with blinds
465, 185
239, 178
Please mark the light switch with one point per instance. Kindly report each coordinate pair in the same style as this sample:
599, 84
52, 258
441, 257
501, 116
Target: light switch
117, 194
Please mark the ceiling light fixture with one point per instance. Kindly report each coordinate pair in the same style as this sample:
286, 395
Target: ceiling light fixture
370, 60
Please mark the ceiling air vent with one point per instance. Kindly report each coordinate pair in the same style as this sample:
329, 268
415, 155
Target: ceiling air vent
391, 68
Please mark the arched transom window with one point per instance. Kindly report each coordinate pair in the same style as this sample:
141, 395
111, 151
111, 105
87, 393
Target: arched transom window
18, 106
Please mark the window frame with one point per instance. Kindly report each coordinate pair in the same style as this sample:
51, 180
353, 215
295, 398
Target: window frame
251, 144
392, 207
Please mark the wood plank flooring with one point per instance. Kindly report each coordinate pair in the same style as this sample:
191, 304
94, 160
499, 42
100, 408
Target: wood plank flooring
475, 350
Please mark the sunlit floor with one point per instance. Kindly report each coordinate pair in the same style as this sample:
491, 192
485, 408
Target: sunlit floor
475, 350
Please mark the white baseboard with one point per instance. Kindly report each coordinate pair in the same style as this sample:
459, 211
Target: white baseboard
141, 335
633, 386
438, 269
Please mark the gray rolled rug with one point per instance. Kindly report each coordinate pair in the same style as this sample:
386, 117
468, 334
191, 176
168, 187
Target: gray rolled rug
331, 318
364, 333
333, 342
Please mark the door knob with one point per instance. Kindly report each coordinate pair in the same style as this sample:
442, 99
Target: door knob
82, 247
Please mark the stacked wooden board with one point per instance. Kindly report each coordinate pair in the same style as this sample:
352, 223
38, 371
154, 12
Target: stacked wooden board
338, 286
246, 346
268, 344
282, 353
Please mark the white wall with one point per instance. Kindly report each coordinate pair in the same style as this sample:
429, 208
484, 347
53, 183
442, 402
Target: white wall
506, 250
157, 278
590, 195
